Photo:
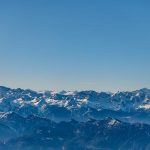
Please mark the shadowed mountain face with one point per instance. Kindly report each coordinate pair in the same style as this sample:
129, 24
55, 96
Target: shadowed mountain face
74, 120
38, 133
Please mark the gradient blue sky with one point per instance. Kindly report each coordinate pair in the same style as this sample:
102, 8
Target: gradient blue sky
75, 44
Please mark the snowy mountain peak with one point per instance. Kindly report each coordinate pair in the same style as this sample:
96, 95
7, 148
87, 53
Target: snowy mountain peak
79, 105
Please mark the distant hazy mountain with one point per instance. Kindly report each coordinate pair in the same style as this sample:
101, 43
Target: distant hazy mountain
85, 120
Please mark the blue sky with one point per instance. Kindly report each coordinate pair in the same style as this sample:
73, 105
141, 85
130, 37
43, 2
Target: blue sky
75, 45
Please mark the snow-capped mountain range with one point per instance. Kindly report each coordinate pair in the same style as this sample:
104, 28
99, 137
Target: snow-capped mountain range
79, 120
79, 105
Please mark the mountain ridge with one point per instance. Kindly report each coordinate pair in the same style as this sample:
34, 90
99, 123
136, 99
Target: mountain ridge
80, 105
83, 120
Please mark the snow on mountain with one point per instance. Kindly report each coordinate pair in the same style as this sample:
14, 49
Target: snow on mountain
77, 105
74, 120
146, 106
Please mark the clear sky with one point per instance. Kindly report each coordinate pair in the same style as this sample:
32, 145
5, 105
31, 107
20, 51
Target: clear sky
75, 44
